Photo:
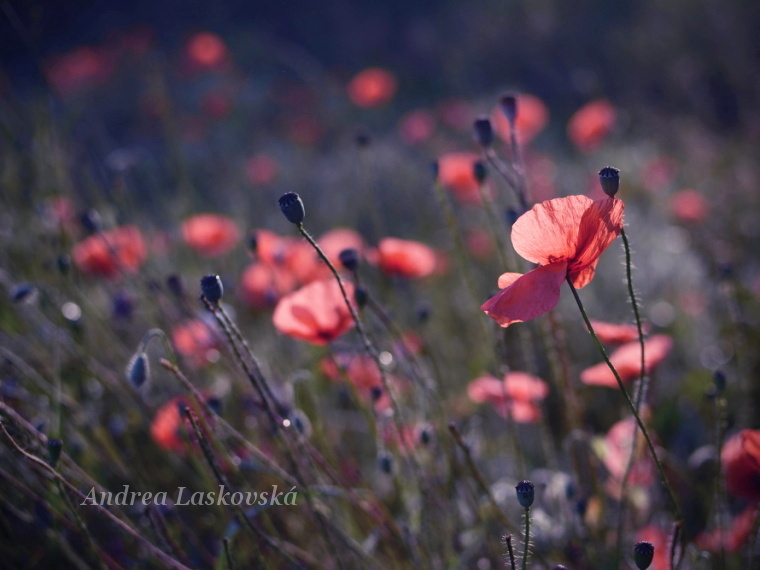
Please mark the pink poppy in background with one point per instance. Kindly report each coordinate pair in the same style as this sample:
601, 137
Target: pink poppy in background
107, 254
294, 255
479, 243
338, 239
261, 169
610, 333
740, 458
316, 313
262, 285
170, 430
532, 118
405, 258
591, 124
627, 361
195, 340
688, 206
616, 453
517, 394
566, 237
733, 538
372, 87
79, 69
361, 370
456, 113
210, 235
416, 126
206, 50
456, 171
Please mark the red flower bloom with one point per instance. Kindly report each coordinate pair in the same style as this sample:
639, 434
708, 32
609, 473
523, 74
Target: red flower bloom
335, 241
372, 87
733, 537
108, 253
627, 361
195, 340
207, 51
610, 333
261, 169
565, 236
361, 370
517, 394
262, 285
616, 453
741, 464
532, 117
456, 172
416, 126
167, 426
404, 258
591, 124
688, 206
210, 235
315, 313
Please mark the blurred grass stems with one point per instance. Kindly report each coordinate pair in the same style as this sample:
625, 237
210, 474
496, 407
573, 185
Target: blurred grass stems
228, 554
149, 546
675, 508
510, 551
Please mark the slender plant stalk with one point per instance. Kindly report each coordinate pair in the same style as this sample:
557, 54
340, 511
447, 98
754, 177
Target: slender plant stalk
510, 551
228, 554
527, 539
674, 503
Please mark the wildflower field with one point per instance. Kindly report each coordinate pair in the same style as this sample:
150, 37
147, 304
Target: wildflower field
261, 308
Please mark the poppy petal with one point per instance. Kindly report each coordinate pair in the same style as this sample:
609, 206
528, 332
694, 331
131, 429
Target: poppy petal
600, 224
527, 297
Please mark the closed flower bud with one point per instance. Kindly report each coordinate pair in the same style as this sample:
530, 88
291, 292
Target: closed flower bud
525, 493
508, 104
610, 179
385, 462
292, 206
54, 447
361, 296
719, 379
643, 553
349, 257
434, 168
91, 220
483, 131
212, 288
480, 171
138, 370
24, 292
376, 392
174, 283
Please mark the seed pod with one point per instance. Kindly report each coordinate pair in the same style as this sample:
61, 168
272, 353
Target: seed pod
292, 207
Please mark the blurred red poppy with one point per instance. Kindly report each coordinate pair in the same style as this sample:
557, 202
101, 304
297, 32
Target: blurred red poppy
456, 171
732, 538
107, 254
416, 126
262, 285
261, 169
315, 313
195, 340
627, 361
566, 237
210, 235
688, 206
590, 125
372, 87
610, 333
741, 464
206, 50
517, 394
167, 428
294, 255
405, 258
532, 118
616, 454
79, 69
335, 241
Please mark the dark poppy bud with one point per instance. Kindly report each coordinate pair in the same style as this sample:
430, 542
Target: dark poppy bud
610, 179
253, 242
643, 553
719, 379
174, 283
385, 463
292, 206
559, 567
212, 288
434, 169
91, 220
63, 262
215, 404
525, 493
122, 306
138, 369
375, 393
480, 171
508, 104
23, 292
361, 297
363, 138
425, 435
54, 447
422, 312
483, 131
512, 216
349, 258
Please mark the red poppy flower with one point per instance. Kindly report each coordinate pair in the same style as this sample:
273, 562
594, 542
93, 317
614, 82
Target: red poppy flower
688, 206
610, 333
195, 340
261, 169
405, 258
372, 87
532, 118
591, 124
315, 313
167, 428
108, 253
616, 452
335, 241
79, 69
566, 237
361, 370
416, 126
261, 285
457, 173
517, 394
741, 464
732, 538
627, 361
207, 51
210, 235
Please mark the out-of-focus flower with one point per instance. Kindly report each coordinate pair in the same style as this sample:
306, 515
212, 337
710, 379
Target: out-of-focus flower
610, 333
479, 243
456, 171
591, 124
532, 118
416, 126
405, 258
517, 395
195, 340
566, 237
261, 169
167, 428
107, 254
615, 452
262, 285
741, 464
361, 370
372, 87
79, 69
206, 50
338, 239
688, 206
315, 313
456, 114
659, 172
210, 235
627, 361
732, 538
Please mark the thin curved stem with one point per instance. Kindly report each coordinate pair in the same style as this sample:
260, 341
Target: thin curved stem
527, 539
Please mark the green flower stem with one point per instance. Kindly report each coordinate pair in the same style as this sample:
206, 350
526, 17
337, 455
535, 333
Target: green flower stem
510, 551
674, 504
527, 539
